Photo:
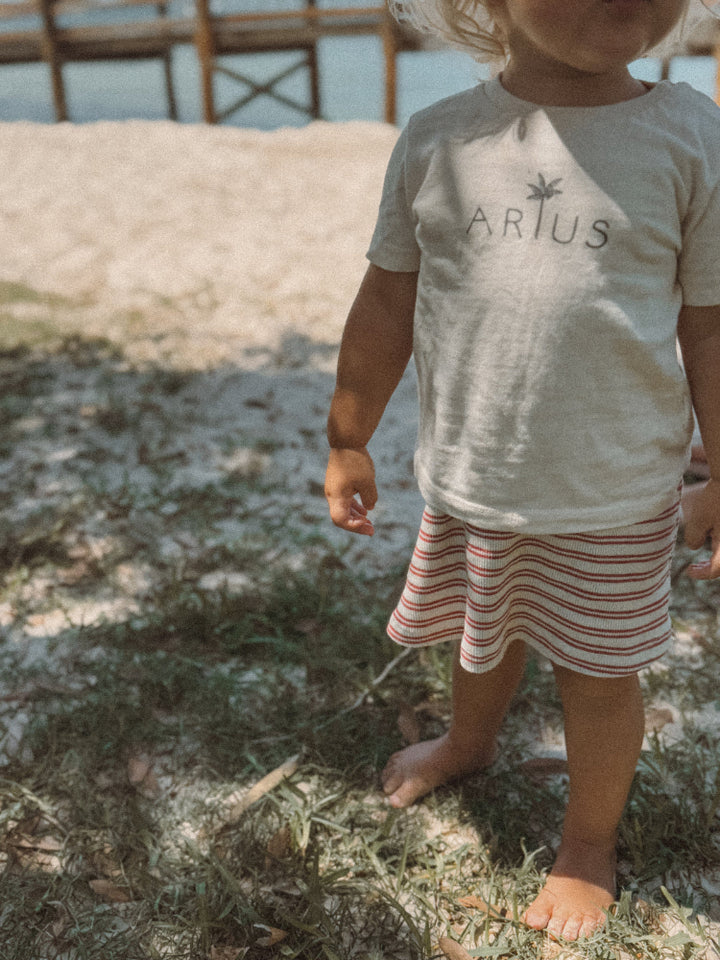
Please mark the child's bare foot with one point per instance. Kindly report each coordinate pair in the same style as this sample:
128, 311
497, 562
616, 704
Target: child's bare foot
419, 768
578, 891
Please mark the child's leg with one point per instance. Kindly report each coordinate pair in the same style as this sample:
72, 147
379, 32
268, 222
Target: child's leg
698, 462
480, 701
604, 725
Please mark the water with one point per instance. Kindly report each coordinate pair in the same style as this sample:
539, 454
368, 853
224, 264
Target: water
352, 85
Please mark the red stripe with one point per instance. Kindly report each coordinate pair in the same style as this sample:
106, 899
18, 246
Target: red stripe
539, 549
591, 596
622, 576
541, 589
620, 608
405, 610
624, 654
430, 591
449, 634
530, 612
606, 669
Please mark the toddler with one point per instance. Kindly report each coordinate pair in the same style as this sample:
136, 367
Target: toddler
542, 240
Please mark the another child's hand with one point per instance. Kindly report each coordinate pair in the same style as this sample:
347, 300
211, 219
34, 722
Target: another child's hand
702, 519
351, 472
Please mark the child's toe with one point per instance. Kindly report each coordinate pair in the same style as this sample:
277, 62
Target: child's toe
556, 926
591, 924
391, 777
537, 915
572, 927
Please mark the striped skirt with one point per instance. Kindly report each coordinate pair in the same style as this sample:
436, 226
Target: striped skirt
594, 602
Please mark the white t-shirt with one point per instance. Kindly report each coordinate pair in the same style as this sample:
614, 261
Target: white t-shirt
555, 246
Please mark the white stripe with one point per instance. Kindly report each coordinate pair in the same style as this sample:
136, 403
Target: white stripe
596, 602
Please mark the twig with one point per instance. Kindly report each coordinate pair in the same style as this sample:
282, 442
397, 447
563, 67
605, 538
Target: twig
360, 700
263, 786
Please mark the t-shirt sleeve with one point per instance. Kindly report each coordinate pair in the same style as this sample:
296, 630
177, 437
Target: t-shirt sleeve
699, 263
393, 245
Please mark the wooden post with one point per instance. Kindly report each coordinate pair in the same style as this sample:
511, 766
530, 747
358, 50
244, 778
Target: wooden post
205, 44
167, 70
389, 42
51, 55
169, 86
312, 62
717, 74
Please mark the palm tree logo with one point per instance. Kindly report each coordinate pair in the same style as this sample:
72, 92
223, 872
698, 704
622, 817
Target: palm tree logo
542, 191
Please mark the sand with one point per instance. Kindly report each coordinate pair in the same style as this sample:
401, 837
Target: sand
233, 253
257, 235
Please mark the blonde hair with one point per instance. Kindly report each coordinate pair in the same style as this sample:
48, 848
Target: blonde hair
464, 24
468, 25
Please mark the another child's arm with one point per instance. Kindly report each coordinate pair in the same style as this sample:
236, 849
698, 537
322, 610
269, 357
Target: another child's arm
376, 347
699, 336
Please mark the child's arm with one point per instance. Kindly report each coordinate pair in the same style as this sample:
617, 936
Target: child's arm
375, 349
699, 336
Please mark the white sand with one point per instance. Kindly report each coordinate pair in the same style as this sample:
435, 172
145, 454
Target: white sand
256, 234
214, 249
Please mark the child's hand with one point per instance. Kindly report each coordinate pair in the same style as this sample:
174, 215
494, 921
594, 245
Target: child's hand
351, 472
702, 519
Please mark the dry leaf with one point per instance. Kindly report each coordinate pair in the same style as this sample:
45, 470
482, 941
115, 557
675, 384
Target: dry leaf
274, 936
227, 953
36, 861
544, 766
656, 718
30, 852
61, 922
141, 775
28, 826
279, 844
70, 576
138, 769
453, 950
37, 691
477, 903
110, 891
47, 844
104, 861
408, 724
150, 786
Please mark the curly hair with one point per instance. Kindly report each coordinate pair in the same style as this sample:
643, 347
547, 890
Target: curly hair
464, 24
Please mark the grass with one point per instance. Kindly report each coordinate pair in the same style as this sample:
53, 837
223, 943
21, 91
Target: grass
231, 638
